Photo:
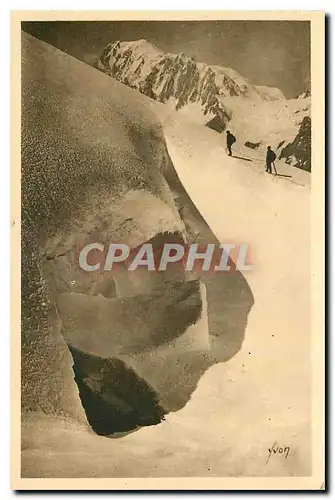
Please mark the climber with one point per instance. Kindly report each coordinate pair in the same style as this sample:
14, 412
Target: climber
230, 141
270, 158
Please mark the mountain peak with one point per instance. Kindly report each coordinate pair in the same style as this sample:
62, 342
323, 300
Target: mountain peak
142, 45
180, 80
305, 94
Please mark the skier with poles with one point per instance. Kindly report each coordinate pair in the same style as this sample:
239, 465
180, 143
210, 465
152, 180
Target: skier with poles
270, 159
230, 141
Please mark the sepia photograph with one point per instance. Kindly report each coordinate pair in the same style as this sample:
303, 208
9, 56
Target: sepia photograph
167, 226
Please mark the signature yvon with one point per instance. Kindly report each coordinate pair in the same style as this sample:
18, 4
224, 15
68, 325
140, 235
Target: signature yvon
282, 451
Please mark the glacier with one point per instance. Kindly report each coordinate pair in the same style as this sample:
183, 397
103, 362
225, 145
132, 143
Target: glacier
252, 387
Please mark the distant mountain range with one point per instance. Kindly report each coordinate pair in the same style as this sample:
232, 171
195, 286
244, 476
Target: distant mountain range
208, 94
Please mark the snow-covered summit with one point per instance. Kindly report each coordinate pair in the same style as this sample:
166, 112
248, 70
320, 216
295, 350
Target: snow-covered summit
136, 60
180, 80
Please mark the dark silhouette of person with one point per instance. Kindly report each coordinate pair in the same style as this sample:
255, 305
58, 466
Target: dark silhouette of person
230, 141
270, 158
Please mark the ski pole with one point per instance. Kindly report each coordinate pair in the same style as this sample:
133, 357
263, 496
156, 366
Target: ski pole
274, 166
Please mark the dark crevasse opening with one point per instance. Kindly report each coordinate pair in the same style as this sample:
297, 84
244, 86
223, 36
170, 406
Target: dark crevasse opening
115, 399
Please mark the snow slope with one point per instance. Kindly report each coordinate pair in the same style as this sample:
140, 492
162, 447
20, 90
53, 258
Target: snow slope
258, 399
270, 377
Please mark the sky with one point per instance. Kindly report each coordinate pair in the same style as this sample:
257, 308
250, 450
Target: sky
273, 53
